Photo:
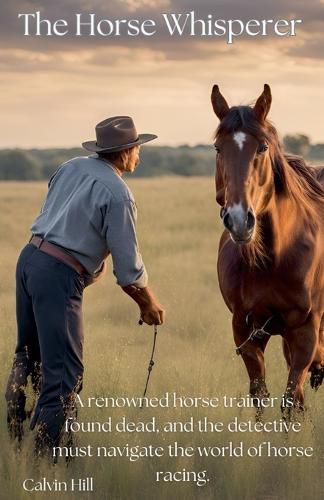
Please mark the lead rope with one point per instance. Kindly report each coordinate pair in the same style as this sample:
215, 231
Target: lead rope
151, 363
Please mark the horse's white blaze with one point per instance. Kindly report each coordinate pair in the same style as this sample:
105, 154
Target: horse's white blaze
239, 138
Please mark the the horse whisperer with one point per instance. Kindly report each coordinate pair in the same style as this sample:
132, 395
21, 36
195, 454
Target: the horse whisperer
89, 213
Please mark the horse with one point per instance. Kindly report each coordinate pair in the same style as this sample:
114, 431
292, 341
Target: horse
271, 258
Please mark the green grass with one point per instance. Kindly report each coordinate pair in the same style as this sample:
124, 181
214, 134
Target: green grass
178, 230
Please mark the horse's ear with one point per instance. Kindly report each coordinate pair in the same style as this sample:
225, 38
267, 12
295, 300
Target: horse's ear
263, 104
219, 103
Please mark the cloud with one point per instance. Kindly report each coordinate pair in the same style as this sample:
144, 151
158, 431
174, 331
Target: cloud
135, 5
310, 48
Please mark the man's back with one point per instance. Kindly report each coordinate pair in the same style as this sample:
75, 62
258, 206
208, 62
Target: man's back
89, 211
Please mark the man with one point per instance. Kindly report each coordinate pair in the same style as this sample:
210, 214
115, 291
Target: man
89, 213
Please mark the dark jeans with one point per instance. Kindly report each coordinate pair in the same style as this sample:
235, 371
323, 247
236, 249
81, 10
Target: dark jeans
50, 342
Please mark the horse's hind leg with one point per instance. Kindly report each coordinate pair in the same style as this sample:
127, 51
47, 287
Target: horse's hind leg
302, 344
286, 351
253, 357
317, 367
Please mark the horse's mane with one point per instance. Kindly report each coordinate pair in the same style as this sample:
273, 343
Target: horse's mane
307, 176
292, 176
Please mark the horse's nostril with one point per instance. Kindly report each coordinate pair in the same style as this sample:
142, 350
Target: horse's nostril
250, 220
227, 221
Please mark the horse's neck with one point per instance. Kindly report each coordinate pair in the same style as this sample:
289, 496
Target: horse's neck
281, 225
285, 219
277, 230
292, 216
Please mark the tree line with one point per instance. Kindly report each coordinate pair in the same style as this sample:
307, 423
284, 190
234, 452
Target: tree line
40, 164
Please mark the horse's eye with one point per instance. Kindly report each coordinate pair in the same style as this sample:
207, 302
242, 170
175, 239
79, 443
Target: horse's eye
217, 149
262, 148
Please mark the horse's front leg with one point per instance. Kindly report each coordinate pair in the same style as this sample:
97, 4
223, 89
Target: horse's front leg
302, 342
253, 357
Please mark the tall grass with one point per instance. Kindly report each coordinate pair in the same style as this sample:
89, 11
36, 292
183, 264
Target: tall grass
178, 230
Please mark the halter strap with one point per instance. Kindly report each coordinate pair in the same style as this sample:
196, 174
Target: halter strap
256, 334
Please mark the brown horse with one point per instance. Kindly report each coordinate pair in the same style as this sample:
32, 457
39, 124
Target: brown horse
271, 254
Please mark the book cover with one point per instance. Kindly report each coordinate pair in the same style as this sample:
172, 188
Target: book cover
178, 410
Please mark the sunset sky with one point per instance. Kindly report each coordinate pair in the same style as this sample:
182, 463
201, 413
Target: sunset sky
55, 89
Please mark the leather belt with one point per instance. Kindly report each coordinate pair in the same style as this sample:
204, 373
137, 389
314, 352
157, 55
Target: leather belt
55, 251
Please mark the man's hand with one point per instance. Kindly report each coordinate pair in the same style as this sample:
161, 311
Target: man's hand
152, 313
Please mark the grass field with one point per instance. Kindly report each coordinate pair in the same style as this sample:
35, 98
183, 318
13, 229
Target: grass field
178, 230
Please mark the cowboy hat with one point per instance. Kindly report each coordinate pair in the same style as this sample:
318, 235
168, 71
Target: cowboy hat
115, 134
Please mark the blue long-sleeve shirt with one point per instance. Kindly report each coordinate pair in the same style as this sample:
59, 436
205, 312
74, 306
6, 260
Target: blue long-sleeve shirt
91, 212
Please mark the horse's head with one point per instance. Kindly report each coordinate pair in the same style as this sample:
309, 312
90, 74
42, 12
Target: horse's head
244, 178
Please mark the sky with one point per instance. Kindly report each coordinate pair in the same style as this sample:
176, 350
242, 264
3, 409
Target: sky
53, 90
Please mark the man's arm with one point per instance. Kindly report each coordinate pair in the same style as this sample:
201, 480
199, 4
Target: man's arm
127, 261
152, 312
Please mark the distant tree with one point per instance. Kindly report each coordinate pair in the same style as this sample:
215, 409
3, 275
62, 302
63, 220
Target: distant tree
317, 152
51, 159
298, 144
34, 164
186, 166
18, 165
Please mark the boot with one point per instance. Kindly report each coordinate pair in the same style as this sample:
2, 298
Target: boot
16, 397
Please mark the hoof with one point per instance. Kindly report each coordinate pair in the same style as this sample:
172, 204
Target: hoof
259, 414
293, 413
286, 413
258, 391
317, 376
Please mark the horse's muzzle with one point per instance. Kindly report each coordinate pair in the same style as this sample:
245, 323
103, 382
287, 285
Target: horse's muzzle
240, 223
